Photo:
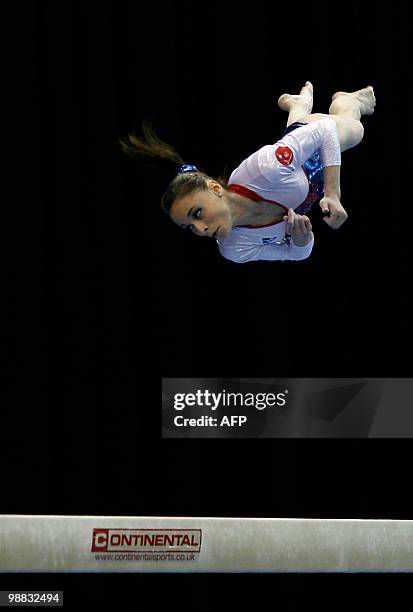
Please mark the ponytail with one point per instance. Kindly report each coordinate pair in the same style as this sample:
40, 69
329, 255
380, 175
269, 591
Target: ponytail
151, 147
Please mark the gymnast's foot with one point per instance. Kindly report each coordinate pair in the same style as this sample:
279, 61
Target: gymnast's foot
304, 100
365, 98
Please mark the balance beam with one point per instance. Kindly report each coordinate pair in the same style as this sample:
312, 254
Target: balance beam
199, 544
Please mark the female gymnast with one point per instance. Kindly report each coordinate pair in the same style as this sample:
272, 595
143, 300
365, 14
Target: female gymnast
260, 212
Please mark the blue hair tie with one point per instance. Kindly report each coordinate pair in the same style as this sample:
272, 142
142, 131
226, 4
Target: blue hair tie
187, 168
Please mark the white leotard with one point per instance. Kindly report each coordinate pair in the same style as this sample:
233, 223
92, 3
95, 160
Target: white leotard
274, 173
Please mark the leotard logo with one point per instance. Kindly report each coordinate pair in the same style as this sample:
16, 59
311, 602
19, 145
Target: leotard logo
274, 239
284, 155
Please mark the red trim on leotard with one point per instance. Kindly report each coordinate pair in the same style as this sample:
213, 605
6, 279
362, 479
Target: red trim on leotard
251, 195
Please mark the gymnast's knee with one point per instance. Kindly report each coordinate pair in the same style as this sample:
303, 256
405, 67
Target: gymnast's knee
350, 134
358, 132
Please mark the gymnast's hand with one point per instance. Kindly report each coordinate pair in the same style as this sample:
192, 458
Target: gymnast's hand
298, 227
335, 213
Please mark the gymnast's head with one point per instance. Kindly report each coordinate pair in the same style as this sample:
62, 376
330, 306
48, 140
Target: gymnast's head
193, 200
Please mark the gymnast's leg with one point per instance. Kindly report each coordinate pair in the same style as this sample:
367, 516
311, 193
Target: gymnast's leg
297, 106
346, 109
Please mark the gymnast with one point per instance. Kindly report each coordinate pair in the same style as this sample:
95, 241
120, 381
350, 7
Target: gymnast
260, 212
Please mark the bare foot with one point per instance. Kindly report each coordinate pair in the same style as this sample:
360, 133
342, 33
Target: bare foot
365, 97
304, 99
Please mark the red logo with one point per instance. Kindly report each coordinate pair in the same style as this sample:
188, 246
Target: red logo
145, 540
284, 155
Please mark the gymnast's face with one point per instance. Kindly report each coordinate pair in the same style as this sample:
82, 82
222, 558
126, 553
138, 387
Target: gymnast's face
205, 212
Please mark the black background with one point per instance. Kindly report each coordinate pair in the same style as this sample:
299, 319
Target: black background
106, 295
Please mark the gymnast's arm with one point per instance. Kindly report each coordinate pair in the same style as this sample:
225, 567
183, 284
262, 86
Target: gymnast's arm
240, 253
299, 228
270, 252
330, 203
321, 135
